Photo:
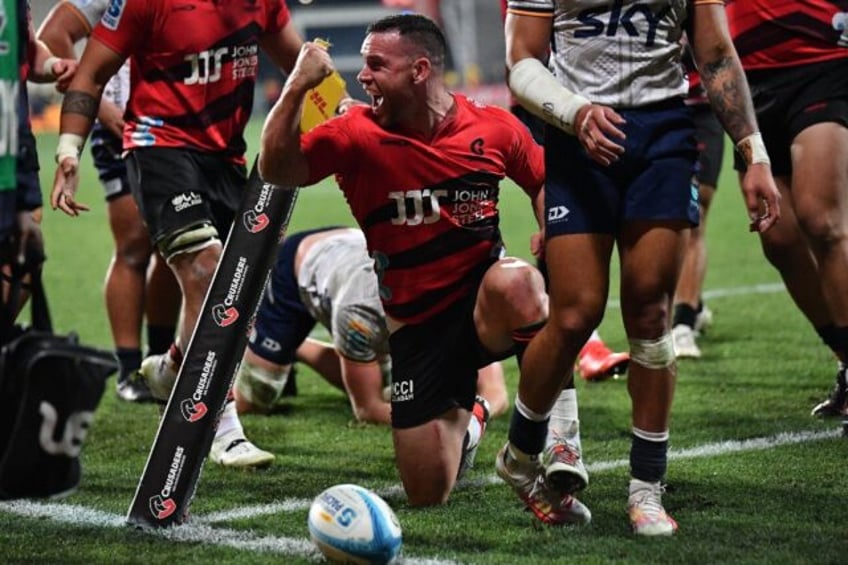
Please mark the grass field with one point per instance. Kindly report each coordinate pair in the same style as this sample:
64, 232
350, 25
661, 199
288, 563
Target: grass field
753, 478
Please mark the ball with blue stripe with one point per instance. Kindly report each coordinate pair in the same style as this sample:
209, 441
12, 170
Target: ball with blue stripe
352, 524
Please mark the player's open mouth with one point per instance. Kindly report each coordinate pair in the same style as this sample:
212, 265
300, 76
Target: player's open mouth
376, 101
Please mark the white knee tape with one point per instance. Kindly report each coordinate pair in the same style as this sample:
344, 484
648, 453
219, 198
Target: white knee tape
261, 387
188, 241
653, 353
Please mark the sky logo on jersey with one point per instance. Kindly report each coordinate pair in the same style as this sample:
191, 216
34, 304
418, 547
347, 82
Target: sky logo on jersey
193, 411
112, 16
594, 25
224, 316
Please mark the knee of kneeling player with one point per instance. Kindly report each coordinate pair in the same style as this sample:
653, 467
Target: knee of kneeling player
520, 287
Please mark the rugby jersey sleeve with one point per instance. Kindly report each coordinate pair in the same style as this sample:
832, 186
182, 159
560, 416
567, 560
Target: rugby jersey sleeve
89, 11
525, 163
279, 17
328, 149
126, 24
540, 8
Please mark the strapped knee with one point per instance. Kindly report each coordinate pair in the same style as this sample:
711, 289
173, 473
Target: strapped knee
261, 387
191, 239
653, 353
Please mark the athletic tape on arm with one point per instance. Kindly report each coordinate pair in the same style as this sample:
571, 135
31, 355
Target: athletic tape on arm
540, 93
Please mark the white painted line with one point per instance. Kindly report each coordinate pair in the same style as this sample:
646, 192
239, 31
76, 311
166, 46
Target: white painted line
201, 530
730, 446
768, 288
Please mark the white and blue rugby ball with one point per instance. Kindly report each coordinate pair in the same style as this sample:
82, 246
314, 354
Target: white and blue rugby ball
351, 524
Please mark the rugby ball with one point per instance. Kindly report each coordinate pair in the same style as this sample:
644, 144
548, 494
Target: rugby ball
351, 524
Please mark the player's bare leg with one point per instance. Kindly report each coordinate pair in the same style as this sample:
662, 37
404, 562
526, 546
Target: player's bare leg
651, 255
690, 285
124, 292
820, 199
162, 303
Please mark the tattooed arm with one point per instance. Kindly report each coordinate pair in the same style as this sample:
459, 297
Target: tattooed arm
724, 79
79, 110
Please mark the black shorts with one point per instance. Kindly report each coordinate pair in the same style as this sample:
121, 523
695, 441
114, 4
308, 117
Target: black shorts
176, 189
789, 100
434, 365
709, 135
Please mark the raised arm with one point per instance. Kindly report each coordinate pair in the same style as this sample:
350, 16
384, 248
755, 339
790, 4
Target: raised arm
281, 160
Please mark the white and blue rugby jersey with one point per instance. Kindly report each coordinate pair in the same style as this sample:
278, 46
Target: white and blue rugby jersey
339, 288
117, 90
619, 53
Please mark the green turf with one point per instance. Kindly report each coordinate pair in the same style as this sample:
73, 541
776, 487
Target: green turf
763, 368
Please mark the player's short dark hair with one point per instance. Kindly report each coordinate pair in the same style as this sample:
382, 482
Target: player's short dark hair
420, 30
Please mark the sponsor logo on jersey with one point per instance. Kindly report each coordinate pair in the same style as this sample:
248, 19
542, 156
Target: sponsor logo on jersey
477, 146
112, 16
615, 19
469, 205
245, 60
205, 67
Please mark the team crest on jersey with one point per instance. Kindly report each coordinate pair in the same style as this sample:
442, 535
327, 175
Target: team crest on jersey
112, 16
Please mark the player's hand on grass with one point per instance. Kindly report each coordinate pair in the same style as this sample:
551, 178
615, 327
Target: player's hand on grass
65, 186
597, 132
